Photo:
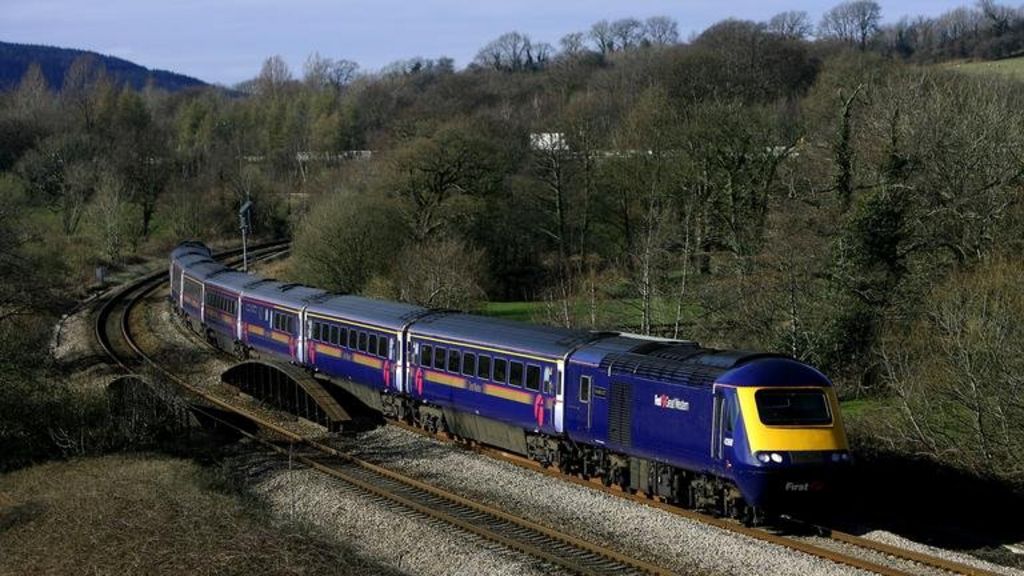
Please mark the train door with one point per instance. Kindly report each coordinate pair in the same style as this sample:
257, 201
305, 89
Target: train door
397, 354
586, 398
725, 413
559, 407
303, 326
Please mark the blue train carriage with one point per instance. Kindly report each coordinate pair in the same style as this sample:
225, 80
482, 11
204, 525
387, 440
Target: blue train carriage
271, 319
496, 381
178, 267
195, 251
222, 309
734, 432
193, 290
358, 342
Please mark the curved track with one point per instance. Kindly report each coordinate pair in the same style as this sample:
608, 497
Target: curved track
539, 541
561, 551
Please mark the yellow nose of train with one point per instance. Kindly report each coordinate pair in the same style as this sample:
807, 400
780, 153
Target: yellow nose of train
792, 420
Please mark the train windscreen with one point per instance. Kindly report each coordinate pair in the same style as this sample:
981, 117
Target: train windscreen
793, 407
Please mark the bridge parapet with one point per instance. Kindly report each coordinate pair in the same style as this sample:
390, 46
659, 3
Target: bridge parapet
288, 388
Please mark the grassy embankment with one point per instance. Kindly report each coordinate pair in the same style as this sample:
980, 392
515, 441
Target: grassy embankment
150, 514
1012, 68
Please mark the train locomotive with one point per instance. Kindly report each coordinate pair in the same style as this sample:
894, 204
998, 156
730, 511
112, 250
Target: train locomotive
742, 434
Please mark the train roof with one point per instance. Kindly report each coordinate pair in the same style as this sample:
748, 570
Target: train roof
190, 247
280, 293
691, 364
593, 353
391, 315
203, 269
232, 280
508, 335
187, 260
767, 370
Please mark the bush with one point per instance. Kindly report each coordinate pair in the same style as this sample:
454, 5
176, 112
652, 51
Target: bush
956, 373
348, 238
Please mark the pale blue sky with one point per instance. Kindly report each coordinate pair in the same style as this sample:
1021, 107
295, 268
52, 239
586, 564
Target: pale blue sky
225, 41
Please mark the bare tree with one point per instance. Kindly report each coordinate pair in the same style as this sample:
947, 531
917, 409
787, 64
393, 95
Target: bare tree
628, 33
853, 22
573, 44
343, 72
510, 52
1000, 17
33, 98
315, 71
795, 24
113, 212
274, 75
603, 36
322, 72
661, 31
443, 273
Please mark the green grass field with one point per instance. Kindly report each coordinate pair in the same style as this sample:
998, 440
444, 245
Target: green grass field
1012, 68
612, 314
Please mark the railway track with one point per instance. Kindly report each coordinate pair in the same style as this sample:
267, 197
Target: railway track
495, 525
550, 545
841, 538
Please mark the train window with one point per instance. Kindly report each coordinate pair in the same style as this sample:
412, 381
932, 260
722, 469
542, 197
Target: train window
426, 356
382, 346
515, 373
799, 407
342, 338
352, 337
315, 332
439, 356
469, 364
289, 324
372, 346
453, 361
500, 370
533, 377
584, 389
483, 367
335, 335
362, 341
731, 412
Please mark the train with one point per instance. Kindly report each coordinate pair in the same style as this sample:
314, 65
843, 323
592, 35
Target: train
742, 434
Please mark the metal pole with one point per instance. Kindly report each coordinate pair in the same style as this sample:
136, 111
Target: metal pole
243, 219
245, 251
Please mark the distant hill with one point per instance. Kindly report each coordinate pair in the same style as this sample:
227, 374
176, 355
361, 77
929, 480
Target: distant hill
16, 58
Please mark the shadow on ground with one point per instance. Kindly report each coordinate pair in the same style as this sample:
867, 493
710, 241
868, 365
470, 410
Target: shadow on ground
930, 503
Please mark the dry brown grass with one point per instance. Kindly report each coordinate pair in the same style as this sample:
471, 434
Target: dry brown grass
149, 515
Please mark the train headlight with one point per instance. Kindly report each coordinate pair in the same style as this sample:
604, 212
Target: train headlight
763, 457
776, 457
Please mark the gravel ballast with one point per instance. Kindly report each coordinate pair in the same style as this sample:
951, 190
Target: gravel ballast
400, 539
